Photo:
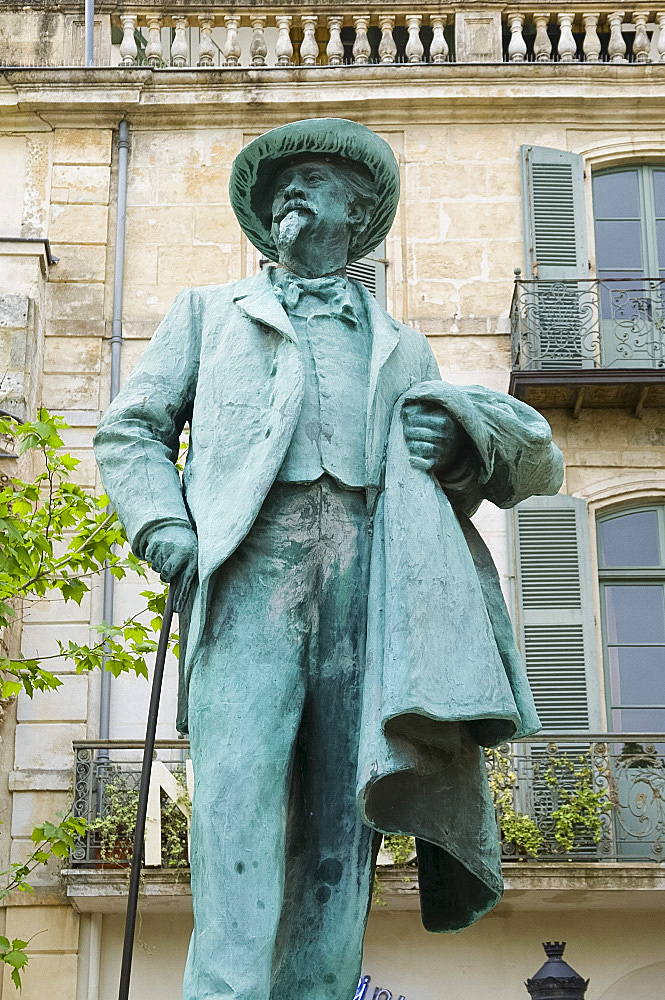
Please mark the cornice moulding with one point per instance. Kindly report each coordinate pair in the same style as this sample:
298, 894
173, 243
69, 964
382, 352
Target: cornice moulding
577, 95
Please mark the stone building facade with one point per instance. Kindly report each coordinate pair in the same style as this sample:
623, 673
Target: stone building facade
526, 140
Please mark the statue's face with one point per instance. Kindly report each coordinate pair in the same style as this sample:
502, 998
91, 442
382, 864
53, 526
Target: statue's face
312, 188
312, 214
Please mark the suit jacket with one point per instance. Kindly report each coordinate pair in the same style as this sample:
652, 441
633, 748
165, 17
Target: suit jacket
440, 648
226, 359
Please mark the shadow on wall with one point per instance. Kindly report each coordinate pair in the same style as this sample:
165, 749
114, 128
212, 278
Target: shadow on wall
643, 984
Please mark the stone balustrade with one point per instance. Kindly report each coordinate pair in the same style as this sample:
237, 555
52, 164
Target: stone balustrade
307, 33
615, 36
260, 38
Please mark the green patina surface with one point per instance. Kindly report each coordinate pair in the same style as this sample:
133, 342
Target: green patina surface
346, 651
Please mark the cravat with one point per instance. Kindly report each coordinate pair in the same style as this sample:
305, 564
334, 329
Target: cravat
333, 290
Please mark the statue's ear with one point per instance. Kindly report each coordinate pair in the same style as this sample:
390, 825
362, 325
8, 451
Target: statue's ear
359, 215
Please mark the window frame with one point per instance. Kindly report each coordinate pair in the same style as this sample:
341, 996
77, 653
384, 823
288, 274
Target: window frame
628, 576
647, 205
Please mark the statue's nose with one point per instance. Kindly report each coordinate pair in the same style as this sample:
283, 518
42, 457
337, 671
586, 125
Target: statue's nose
295, 189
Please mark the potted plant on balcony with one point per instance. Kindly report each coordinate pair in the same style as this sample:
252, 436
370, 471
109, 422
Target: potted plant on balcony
112, 830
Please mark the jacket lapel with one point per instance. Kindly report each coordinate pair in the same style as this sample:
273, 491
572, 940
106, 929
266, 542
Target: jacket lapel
384, 341
255, 297
385, 337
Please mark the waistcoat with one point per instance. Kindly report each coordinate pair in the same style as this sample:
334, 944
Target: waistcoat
334, 338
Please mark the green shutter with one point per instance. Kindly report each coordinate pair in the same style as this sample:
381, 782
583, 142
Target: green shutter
556, 619
371, 272
557, 306
554, 215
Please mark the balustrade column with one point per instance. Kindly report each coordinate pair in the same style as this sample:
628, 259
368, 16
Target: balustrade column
591, 43
542, 46
438, 50
361, 47
128, 48
516, 45
309, 47
231, 49
567, 45
179, 46
616, 48
206, 45
414, 47
258, 50
641, 43
284, 45
154, 52
335, 47
660, 20
387, 46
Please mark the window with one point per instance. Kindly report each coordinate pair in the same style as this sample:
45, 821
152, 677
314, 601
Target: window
631, 560
629, 214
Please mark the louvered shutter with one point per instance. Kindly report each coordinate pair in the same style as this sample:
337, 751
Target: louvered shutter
556, 251
371, 272
556, 619
554, 216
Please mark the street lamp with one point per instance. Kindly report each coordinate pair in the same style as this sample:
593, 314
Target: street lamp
556, 980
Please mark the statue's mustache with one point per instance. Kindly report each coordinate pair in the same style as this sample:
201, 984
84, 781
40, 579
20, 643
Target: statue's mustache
293, 205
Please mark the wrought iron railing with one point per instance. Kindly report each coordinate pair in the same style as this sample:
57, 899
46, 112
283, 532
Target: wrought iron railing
614, 785
591, 797
588, 323
107, 775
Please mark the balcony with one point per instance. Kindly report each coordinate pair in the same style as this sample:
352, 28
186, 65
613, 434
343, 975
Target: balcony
210, 35
587, 342
613, 787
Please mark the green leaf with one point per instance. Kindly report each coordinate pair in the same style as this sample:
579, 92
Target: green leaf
16, 957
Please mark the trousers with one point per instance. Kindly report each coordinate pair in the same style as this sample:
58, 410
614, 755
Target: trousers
281, 863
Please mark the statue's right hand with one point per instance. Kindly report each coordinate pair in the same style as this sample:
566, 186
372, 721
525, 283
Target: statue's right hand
172, 551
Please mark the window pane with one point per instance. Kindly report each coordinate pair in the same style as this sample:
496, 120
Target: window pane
639, 720
630, 540
618, 245
660, 236
635, 614
659, 191
616, 195
638, 675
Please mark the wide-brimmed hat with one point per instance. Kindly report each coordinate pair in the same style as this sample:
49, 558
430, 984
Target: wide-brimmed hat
255, 167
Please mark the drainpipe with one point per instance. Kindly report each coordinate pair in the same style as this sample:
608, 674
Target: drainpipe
116, 353
89, 21
94, 956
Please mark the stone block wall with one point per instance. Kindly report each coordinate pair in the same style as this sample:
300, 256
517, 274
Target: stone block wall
451, 257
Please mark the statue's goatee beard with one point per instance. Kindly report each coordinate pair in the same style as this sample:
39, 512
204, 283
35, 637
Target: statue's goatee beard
290, 228
292, 225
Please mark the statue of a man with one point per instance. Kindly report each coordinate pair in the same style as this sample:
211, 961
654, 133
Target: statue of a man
347, 647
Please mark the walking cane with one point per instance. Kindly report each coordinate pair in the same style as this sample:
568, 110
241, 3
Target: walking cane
148, 750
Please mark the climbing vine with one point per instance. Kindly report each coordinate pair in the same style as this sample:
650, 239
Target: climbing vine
517, 828
581, 809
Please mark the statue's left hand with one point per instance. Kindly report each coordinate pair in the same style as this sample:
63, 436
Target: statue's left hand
434, 439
